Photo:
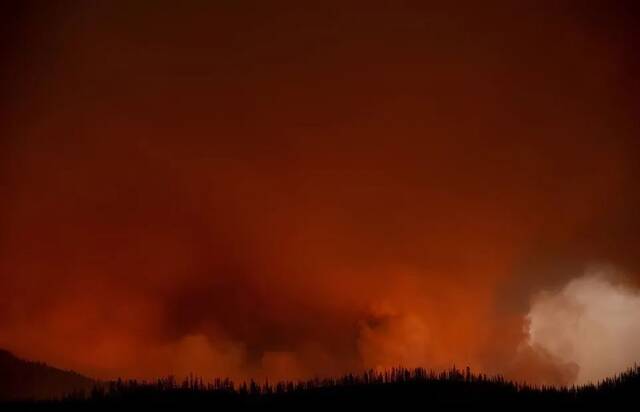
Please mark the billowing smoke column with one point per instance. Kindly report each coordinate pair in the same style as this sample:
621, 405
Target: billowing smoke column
592, 321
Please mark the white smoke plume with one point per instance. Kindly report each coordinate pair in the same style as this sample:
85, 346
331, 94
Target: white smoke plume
592, 321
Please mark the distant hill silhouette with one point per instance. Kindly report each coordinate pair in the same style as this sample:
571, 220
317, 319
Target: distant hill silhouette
21, 379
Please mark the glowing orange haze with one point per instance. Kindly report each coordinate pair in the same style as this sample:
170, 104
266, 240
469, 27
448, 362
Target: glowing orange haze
283, 191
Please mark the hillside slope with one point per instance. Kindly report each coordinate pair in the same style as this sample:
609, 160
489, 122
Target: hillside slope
21, 379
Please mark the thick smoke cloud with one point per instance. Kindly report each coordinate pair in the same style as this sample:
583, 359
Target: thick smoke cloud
592, 322
290, 190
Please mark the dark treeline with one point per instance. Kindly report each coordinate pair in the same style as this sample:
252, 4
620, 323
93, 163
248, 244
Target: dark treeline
391, 389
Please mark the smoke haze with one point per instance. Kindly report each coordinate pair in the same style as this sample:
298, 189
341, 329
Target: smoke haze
287, 190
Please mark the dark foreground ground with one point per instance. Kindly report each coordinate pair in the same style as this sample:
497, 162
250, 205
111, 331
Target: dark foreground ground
397, 389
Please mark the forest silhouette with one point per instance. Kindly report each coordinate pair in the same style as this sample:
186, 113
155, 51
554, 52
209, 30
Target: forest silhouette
397, 387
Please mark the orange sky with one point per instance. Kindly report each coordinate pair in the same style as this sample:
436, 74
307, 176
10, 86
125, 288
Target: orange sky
284, 190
